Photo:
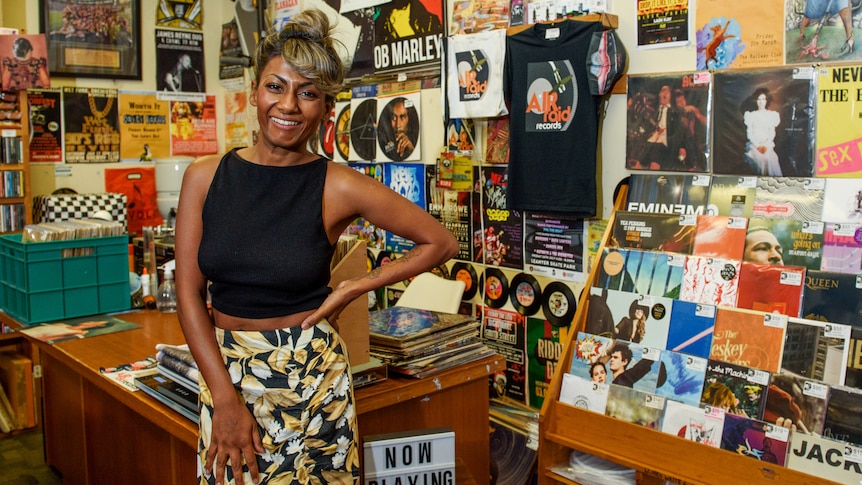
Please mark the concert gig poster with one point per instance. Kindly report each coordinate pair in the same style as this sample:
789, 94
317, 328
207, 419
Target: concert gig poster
662, 24
544, 349
193, 124
503, 228
408, 180
145, 131
180, 61
236, 120
839, 121
46, 125
736, 34
452, 209
408, 34
554, 246
762, 122
91, 124
504, 332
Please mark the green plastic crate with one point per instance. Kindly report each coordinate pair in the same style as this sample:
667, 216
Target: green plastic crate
47, 281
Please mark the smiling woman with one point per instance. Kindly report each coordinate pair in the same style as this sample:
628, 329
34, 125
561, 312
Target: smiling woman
261, 223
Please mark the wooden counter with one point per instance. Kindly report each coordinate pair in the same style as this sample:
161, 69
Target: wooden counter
98, 432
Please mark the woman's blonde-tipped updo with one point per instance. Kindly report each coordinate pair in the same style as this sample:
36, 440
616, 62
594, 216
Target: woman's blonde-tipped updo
306, 44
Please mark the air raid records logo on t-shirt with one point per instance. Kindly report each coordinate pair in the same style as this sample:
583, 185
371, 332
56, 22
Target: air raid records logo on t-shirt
551, 97
473, 74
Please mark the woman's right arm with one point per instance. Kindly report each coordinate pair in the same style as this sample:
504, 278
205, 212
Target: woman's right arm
234, 433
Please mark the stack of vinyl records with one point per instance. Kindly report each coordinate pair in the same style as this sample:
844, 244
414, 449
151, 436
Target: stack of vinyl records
419, 343
176, 382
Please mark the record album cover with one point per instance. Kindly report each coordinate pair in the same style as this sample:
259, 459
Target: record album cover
668, 193
816, 350
667, 122
681, 377
797, 399
691, 328
771, 288
842, 248
735, 388
713, 281
789, 242
637, 407
504, 229
653, 232
636, 318
844, 415
762, 122
842, 200
748, 338
838, 121
584, 393
645, 272
798, 198
698, 423
720, 236
732, 195
755, 439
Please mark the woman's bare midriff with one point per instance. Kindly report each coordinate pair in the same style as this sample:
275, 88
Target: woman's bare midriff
230, 322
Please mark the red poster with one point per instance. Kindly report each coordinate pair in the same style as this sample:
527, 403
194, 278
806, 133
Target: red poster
139, 186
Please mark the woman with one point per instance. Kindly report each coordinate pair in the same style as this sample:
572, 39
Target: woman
598, 372
760, 126
260, 223
633, 326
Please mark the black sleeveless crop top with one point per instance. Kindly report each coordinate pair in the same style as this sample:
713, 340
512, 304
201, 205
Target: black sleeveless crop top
264, 246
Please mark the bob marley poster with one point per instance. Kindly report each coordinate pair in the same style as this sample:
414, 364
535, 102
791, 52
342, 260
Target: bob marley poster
408, 34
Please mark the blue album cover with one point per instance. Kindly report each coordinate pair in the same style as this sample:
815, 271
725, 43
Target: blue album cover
691, 327
681, 377
645, 272
400, 321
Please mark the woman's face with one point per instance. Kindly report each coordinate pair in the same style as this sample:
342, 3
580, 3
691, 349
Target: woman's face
761, 101
289, 106
599, 374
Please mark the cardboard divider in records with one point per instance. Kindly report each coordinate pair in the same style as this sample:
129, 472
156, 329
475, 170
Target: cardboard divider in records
495, 287
559, 304
342, 131
464, 272
363, 130
525, 294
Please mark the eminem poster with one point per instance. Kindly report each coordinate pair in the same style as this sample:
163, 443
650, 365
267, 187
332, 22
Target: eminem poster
408, 34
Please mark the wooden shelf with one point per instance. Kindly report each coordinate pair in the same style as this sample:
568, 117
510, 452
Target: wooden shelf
657, 457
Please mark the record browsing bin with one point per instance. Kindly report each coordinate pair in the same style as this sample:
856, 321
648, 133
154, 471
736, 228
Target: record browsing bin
47, 281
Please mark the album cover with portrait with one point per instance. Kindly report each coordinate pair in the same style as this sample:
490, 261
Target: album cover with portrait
652, 232
694, 422
842, 248
589, 357
636, 318
406, 34
801, 400
398, 124
748, 338
816, 349
668, 122
732, 195
654, 273
668, 193
771, 288
713, 281
800, 198
763, 123
755, 439
801, 243
691, 328
736, 389
635, 406
720, 236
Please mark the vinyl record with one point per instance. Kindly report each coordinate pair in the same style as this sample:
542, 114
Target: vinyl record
384, 257
441, 271
496, 287
559, 304
465, 272
342, 132
372, 263
525, 294
363, 132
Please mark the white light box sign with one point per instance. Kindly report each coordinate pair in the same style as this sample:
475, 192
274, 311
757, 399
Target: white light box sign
420, 457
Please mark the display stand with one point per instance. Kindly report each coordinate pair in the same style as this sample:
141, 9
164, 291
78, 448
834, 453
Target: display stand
656, 456
15, 171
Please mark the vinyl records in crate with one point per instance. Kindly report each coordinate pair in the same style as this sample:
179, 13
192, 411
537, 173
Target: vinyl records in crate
496, 287
465, 272
559, 304
525, 294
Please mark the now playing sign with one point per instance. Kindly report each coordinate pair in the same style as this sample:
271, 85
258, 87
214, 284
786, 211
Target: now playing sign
420, 457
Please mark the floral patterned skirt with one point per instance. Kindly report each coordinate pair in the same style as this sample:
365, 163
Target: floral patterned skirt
297, 385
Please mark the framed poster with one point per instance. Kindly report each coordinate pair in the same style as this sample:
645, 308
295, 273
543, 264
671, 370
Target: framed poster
93, 38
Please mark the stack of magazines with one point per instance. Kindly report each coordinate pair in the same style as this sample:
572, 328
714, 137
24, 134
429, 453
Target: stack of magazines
176, 382
419, 343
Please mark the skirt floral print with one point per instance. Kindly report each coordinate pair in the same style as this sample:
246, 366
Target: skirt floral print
297, 385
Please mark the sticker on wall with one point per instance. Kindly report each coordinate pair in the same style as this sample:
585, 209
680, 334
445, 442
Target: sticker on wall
559, 304
525, 294
496, 287
464, 272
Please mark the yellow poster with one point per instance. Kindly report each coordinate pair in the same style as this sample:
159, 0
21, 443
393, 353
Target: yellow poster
839, 121
738, 34
236, 120
144, 128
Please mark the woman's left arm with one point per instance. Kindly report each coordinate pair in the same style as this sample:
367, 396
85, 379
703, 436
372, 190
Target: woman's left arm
350, 194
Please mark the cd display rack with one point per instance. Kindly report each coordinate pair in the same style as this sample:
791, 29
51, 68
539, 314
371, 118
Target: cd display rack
16, 205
